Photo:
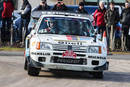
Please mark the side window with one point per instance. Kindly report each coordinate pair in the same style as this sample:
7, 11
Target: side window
43, 25
37, 25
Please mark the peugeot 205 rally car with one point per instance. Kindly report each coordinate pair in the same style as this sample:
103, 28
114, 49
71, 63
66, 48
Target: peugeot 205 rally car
64, 41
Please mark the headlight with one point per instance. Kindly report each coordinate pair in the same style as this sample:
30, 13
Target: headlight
43, 46
94, 49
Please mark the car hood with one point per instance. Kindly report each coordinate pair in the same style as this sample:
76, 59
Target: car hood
66, 39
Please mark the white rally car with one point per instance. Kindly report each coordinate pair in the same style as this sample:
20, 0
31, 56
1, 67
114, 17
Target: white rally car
65, 41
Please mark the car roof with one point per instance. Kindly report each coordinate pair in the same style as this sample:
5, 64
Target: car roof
37, 14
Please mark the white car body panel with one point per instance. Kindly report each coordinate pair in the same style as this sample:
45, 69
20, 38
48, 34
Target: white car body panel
62, 40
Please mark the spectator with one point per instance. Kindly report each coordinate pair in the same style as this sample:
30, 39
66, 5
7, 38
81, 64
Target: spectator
43, 6
16, 27
118, 36
81, 8
111, 19
1, 8
125, 20
8, 8
99, 18
60, 6
25, 18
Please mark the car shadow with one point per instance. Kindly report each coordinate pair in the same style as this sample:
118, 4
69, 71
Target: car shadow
108, 76
117, 77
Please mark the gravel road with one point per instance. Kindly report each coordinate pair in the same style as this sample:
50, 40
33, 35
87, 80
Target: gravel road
12, 74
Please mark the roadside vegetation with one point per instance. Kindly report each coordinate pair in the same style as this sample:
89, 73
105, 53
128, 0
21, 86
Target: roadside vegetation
8, 48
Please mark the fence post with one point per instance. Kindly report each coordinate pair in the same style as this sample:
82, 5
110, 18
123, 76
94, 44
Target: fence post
11, 38
11, 31
111, 38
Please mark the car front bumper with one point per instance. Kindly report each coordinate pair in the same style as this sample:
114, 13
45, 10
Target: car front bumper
68, 66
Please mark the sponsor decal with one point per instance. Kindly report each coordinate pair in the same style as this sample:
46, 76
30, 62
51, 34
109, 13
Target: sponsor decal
69, 37
69, 54
70, 43
69, 61
96, 57
85, 38
46, 54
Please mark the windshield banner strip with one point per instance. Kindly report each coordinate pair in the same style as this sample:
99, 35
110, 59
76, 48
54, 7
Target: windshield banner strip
85, 38
69, 37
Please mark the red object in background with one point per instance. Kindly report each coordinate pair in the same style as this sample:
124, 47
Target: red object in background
8, 9
69, 54
24, 53
118, 28
99, 17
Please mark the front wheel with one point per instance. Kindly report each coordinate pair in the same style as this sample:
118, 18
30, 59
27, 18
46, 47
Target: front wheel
32, 71
25, 64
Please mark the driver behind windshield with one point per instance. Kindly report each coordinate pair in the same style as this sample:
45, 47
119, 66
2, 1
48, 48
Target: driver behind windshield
48, 25
66, 26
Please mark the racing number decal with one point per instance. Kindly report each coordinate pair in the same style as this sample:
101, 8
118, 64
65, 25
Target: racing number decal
69, 54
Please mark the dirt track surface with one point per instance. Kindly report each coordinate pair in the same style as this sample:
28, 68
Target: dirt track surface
12, 74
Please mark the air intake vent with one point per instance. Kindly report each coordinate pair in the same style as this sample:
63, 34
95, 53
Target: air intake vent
42, 59
94, 62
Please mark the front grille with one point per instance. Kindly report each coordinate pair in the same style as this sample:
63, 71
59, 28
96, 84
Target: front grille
57, 47
80, 61
57, 54
60, 54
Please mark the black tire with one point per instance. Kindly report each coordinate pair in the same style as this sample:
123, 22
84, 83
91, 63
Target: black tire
98, 75
32, 71
25, 64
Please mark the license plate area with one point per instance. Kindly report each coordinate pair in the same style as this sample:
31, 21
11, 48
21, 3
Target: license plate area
80, 61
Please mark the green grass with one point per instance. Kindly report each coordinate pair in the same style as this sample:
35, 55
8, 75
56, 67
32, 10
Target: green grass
121, 53
11, 49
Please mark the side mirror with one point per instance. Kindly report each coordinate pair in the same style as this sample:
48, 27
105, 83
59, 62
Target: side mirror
33, 32
95, 38
99, 36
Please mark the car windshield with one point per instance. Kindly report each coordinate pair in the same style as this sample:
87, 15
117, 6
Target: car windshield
66, 26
